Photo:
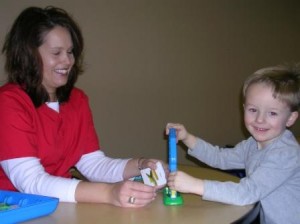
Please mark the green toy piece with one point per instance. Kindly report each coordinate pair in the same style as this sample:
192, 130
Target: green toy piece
171, 197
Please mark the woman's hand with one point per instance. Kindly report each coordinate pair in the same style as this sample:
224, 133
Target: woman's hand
132, 194
151, 163
123, 194
134, 166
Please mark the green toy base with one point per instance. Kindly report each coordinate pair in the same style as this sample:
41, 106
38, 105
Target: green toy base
169, 200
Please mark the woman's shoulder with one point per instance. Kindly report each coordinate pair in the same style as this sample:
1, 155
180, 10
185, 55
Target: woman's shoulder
10, 88
13, 99
77, 95
13, 92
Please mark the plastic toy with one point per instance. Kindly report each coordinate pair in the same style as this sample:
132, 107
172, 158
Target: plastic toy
18, 207
171, 197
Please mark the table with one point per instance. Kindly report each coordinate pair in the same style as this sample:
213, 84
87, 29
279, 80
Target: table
194, 209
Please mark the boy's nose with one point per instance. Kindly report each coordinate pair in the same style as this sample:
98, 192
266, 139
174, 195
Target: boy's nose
260, 117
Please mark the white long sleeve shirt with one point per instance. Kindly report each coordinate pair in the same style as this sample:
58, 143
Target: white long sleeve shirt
28, 175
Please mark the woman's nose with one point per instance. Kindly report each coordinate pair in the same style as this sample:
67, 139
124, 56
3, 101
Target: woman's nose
68, 58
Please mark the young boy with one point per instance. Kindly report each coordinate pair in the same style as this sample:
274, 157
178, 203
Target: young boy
271, 156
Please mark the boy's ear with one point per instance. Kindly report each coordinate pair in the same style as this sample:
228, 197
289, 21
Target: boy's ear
292, 119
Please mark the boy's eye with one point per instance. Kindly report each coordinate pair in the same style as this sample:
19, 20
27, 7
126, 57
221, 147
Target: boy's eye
252, 110
273, 113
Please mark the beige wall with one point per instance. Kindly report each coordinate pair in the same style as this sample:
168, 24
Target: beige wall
149, 62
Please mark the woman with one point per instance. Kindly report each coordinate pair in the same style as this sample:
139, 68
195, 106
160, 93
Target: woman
46, 122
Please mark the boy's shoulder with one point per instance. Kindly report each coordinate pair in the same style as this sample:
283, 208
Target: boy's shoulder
285, 150
287, 141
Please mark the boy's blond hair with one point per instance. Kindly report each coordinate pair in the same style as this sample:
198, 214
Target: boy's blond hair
283, 79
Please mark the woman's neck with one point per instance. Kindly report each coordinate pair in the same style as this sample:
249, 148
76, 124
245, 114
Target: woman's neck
53, 97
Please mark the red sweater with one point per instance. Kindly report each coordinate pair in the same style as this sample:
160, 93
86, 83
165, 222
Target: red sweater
57, 139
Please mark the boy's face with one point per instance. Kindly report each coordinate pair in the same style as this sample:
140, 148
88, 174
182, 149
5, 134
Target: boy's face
266, 117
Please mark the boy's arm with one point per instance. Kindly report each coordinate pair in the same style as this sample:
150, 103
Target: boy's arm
183, 182
190, 141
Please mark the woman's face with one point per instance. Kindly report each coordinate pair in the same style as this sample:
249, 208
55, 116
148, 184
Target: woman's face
57, 56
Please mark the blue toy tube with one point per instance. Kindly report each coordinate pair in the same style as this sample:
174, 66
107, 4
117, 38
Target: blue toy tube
172, 156
172, 150
172, 197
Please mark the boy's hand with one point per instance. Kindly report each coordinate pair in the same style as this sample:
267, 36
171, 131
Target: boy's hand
185, 183
182, 134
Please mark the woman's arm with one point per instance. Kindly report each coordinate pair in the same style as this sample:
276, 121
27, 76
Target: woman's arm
96, 167
29, 176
